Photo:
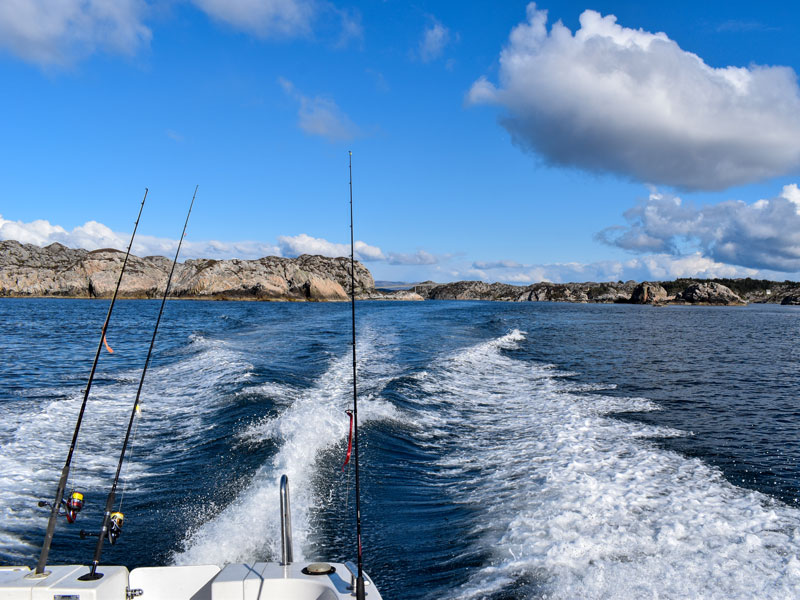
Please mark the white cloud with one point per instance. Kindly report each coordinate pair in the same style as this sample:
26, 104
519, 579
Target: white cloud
652, 267
56, 32
612, 99
761, 235
420, 257
305, 244
434, 40
174, 135
93, 236
499, 264
321, 116
263, 18
392, 265
351, 26
59, 32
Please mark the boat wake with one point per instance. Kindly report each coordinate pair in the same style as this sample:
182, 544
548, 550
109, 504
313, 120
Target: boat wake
175, 407
309, 422
574, 503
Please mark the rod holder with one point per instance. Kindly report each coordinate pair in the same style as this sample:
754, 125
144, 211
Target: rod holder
287, 556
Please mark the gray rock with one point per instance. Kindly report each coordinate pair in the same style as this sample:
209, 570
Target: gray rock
709, 293
648, 293
606, 294
475, 290
395, 295
28, 270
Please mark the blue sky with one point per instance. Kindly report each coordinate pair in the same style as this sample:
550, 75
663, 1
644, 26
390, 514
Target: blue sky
503, 141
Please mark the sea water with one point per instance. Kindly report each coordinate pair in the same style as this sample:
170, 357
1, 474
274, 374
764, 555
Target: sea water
528, 450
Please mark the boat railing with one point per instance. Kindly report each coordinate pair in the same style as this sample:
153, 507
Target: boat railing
287, 556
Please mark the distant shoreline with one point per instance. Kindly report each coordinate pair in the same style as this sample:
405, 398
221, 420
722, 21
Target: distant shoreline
55, 271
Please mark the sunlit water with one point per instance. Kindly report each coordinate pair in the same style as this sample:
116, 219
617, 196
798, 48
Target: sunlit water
508, 450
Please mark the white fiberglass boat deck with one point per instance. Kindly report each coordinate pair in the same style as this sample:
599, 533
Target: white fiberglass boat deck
256, 581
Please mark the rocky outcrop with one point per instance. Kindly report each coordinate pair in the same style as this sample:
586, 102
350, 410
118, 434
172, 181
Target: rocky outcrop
537, 292
475, 290
709, 293
611, 292
648, 293
395, 295
28, 270
307, 277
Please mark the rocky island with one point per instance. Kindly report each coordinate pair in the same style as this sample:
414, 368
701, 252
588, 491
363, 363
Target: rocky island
27, 270
726, 292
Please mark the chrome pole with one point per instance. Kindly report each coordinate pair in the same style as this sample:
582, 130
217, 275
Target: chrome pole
286, 524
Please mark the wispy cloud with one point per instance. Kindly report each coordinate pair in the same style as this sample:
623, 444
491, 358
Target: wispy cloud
59, 32
352, 28
736, 26
651, 267
434, 39
174, 135
380, 81
263, 18
499, 264
420, 257
612, 99
320, 116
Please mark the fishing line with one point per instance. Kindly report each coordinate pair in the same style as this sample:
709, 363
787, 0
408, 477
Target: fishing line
51, 524
112, 523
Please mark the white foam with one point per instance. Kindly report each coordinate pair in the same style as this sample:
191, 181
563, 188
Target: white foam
34, 444
579, 503
314, 421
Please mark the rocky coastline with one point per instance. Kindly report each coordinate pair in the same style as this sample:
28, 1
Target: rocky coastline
724, 292
712, 292
55, 270
27, 270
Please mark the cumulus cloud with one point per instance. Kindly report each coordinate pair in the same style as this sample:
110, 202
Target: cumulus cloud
93, 236
263, 18
612, 99
305, 244
761, 235
57, 32
320, 116
433, 42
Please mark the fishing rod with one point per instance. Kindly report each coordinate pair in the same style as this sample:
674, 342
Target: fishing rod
112, 522
360, 592
76, 501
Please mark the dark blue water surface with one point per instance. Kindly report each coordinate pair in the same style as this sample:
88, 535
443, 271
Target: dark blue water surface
508, 450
